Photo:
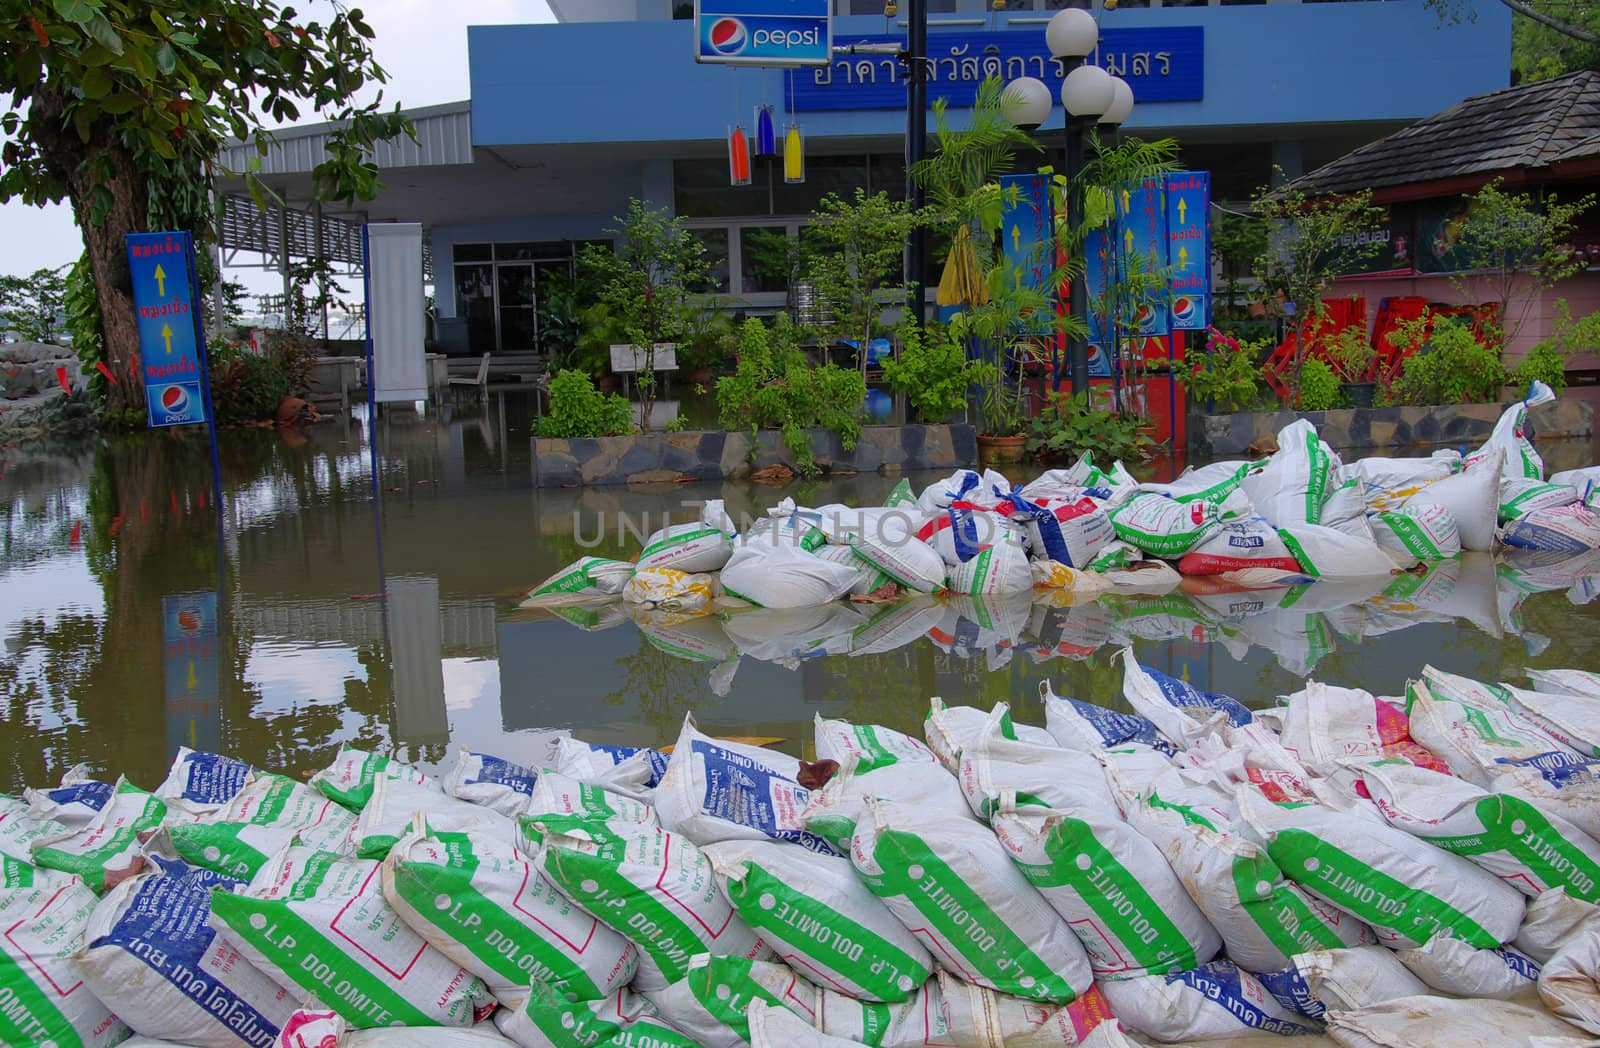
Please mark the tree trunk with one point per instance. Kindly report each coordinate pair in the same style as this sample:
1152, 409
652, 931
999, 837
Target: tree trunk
104, 167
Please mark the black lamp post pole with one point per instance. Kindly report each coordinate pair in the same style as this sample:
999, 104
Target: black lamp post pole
1077, 292
916, 146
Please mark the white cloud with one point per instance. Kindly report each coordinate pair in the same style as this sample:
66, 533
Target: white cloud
423, 47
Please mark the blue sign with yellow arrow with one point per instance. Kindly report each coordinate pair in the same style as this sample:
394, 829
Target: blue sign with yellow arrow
1189, 248
170, 360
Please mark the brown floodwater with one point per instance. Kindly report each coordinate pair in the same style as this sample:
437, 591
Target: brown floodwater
315, 614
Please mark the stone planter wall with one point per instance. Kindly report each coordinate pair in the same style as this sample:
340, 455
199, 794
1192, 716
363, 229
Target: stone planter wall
652, 458
1228, 436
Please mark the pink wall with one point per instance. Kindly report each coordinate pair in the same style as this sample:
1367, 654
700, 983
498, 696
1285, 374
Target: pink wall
1582, 294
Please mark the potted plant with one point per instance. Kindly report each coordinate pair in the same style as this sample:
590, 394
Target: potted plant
1352, 358
1226, 376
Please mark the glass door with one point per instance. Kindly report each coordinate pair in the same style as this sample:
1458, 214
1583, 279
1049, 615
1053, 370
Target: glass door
475, 303
516, 306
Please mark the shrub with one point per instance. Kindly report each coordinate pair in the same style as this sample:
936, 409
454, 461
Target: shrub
1452, 368
1227, 374
1068, 427
1351, 355
1319, 387
245, 386
577, 409
932, 371
1547, 362
774, 387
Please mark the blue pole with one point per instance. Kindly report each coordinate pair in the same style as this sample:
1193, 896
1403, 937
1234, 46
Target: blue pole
205, 384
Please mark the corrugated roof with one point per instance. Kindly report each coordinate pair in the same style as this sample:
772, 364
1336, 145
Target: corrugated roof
1527, 126
444, 136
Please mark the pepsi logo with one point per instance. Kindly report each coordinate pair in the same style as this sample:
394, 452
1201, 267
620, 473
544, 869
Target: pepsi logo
175, 400
1146, 315
1183, 309
728, 36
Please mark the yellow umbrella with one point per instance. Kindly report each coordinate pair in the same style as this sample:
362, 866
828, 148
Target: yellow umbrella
962, 283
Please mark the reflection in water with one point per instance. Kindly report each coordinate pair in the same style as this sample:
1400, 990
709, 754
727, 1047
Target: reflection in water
404, 636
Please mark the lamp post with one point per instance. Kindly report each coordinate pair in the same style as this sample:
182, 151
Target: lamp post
1090, 96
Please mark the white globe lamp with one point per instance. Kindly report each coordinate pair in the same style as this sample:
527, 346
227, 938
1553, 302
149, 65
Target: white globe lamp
1072, 33
1121, 103
1026, 102
1088, 91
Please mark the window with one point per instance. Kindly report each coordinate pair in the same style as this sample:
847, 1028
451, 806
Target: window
715, 241
473, 252
764, 259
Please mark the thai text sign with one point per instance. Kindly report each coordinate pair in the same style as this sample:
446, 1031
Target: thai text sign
1026, 228
1150, 265
1161, 64
1189, 248
162, 268
763, 32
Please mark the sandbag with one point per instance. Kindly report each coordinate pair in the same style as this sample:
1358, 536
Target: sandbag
820, 919
633, 771
1070, 532
1290, 488
887, 539
1084, 726
19, 828
1472, 497
951, 884
107, 849
482, 904
622, 1020
787, 525
1110, 486
1451, 966
670, 589
201, 784
652, 887
1523, 496
584, 577
783, 575
1358, 977
1164, 527
1326, 726
867, 577
265, 817
1345, 509
1111, 886
1510, 439
395, 804
1324, 553
319, 925
711, 1003
1048, 776
41, 983
951, 729
1209, 483
324, 1029
718, 791
838, 808
1249, 543
958, 533
701, 546
1569, 983
1179, 709
1211, 1002
1567, 529
1551, 919
559, 803
1419, 532
1571, 719
1405, 890
495, 783
76, 802
998, 568
1385, 474
774, 1026
151, 956
350, 778
873, 746
1441, 1022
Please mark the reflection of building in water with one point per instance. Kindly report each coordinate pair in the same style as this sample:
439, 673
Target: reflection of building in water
411, 615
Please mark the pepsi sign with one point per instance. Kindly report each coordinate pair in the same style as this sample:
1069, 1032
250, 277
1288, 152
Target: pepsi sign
1189, 248
171, 353
763, 32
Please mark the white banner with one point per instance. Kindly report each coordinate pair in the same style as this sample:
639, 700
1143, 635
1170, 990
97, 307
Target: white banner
395, 306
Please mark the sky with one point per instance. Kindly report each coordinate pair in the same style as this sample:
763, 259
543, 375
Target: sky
421, 43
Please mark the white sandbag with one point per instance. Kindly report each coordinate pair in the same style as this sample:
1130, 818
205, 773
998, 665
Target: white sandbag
958, 533
774, 1026
1324, 553
1345, 510
999, 568
655, 889
1263, 918
483, 905
837, 809
1418, 531
1084, 726
1472, 497
820, 919
960, 1013
350, 778
495, 783
584, 577
1523, 496
711, 1003
1406, 890
1568, 529
19, 828
670, 589
1291, 487
1570, 682
1386, 474
1569, 984
951, 884
1357, 977
1179, 709
1239, 544
1571, 719
887, 539
1443, 1022
1326, 726
1208, 1003
1510, 438
202, 783
629, 770
951, 729
873, 746
1551, 919
1067, 531
964, 485
867, 578
559, 803
315, 1028
265, 817
76, 802
1111, 885
1044, 775
151, 956
784, 576
549, 1020
704, 545
320, 926
1164, 527
1209, 483
786, 525
719, 791
42, 991
395, 804
107, 849
1451, 966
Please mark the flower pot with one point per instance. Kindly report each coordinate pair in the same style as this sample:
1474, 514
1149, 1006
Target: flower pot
1000, 451
1359, 393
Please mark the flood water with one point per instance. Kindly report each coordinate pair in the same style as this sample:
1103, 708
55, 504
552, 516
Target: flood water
314, 614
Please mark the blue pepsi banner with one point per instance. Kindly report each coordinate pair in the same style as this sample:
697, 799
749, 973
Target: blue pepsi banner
175, 384
1099, 260
763, 32
1142, 227
1189, 248
1160, 63
1027, 226
189, 662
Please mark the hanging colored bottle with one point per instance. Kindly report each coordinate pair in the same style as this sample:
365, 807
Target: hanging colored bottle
738, 157
794, 156
766, 141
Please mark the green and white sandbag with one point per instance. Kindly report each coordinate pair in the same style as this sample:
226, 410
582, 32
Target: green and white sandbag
350, 778
396, 803
820, 919
1569, 682
1451, 966
653, 887
108, 848
1000, 567
1506, 835
1571, 719
835, 810
953, 886
1405, 889
1110, 885
873, 746
702, 546
269, 814
621, 1020
319, 923
483, 905
712, 1001
951, 729
42, 997
1037, 774
559, 803
1422, 532
584, 577
1521, 496
774, 1026
497, 784
1212, 1002
19, 828
1162, 526
1291, 487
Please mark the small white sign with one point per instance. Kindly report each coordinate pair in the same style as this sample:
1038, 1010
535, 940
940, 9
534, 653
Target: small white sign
634, 358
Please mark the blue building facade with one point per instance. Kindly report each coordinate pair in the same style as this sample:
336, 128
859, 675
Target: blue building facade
571, 120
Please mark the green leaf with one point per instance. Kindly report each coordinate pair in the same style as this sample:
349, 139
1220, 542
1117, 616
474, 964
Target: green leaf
166, 61
96, 83
76, 11
104, 33
120, 103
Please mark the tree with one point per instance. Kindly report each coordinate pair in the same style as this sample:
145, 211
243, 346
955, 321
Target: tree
1239, 240
854, 260
116, 105
649, 282
1312, 242
1514, 247
1548, 37
29, 305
